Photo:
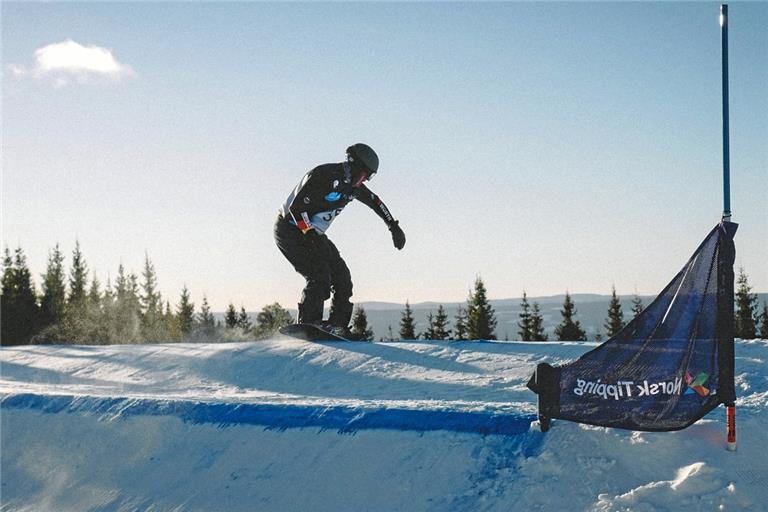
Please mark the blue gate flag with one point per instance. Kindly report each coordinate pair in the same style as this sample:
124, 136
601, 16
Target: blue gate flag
669, 366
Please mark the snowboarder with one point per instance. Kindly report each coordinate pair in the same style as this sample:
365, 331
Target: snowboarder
300, 229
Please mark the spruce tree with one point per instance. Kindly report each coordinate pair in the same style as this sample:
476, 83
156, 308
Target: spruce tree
78, 280
133, 309
133, 293
94, 293
764, 322
29, 311
637, 306
230, 318
53, 301
171, 323
8, 303
481, 318
360, 329
109, 311
8, 269
150, 299
270, 319
615, 321
746, 305
185, 312
121, 285
569, 329
407, 324
525, 319
68, 323
537, 324
126, 308
429, 333
98, 329
76, 325
153, 326
18, 304
244, 321
440, 324
109, 295
206, 319
460, 324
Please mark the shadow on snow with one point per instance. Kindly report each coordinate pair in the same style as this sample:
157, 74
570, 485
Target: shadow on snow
279, 417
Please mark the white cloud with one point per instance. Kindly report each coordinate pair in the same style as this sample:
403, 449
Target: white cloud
17, 71
70, 61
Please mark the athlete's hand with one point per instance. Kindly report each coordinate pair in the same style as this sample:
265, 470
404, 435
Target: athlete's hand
398, 237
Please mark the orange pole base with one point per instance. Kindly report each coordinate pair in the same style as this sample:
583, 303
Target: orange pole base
730, 411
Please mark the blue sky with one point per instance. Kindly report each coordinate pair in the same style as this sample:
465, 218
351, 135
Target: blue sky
543, 146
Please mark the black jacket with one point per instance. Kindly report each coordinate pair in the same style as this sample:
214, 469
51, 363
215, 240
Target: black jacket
323, 193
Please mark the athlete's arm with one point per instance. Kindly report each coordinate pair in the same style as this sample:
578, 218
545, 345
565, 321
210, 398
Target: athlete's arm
373, 202
377, 205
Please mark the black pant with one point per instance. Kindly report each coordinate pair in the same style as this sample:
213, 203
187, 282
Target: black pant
316, 258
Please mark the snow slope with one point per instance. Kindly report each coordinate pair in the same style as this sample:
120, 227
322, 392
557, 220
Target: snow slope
290, 425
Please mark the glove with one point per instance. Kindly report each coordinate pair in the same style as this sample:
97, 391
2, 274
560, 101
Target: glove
398, 237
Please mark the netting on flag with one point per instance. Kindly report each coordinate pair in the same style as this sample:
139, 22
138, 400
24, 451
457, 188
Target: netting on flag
669, 366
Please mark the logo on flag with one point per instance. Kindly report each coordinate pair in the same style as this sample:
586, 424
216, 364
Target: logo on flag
696, 384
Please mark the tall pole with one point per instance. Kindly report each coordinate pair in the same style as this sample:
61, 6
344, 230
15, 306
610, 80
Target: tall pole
726, 136
730, 408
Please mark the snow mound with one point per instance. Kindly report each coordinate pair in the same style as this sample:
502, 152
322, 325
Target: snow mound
290, 425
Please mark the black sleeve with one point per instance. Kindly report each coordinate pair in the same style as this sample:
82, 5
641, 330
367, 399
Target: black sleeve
373, 202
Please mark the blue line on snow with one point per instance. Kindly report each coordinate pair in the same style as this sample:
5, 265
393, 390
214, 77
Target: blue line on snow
279, 417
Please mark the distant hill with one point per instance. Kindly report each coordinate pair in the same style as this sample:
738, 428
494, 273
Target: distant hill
591, 310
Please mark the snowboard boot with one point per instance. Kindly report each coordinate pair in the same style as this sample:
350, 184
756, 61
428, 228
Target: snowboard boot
309, 313
340, 314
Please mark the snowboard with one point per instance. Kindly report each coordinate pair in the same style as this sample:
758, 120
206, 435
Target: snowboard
309, 332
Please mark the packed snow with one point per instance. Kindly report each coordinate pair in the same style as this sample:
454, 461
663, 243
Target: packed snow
286, 425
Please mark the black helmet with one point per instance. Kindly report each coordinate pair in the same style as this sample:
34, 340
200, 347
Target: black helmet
363, 157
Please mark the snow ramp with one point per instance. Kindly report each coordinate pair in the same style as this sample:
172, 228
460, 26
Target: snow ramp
289, 425
274, 425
